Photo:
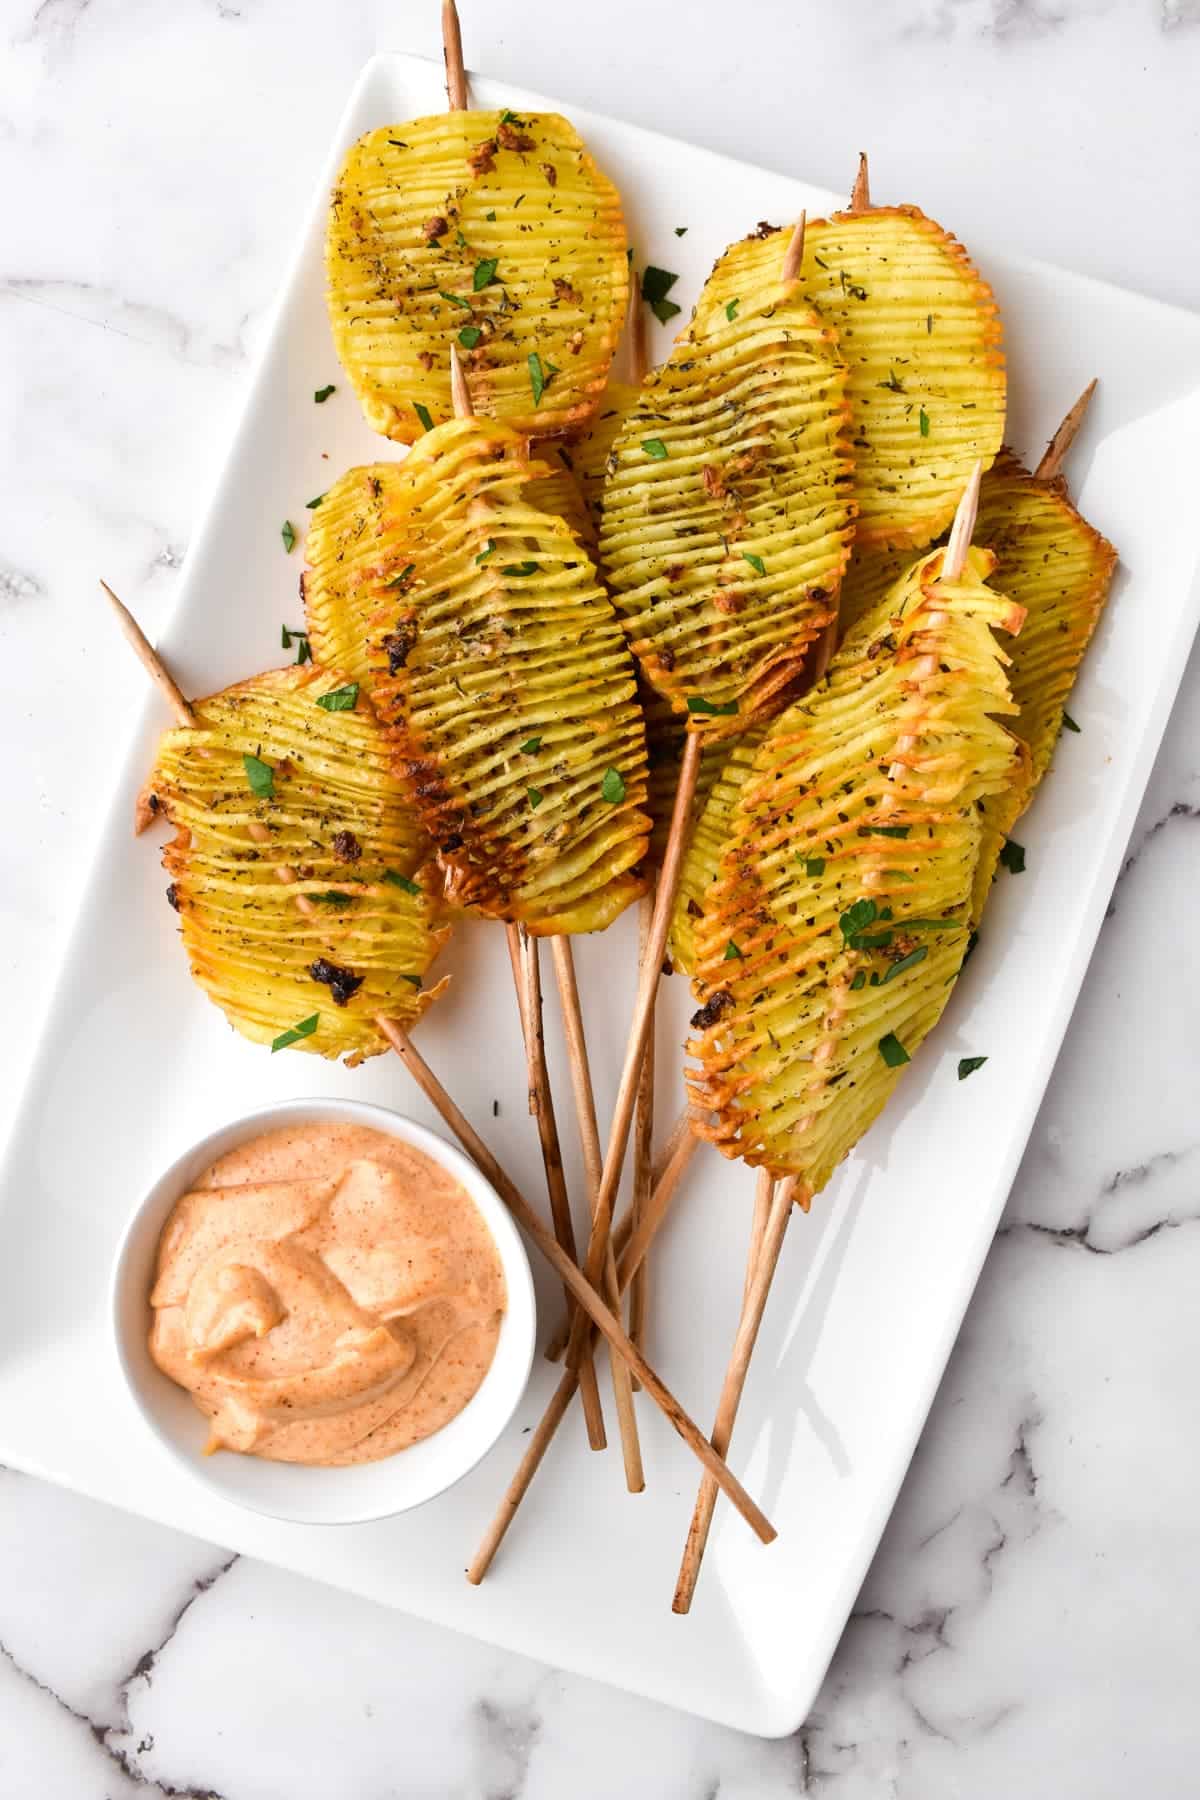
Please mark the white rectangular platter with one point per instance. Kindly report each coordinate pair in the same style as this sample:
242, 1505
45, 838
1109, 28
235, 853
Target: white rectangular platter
872, 1288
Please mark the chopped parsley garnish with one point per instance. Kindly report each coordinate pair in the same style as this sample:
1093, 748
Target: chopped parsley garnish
892, 831
304, 1029
303, 652
698, 704
535, 797
655, 447
856, 918
485, 273
322, 394
260, 776
656, 283
756, 562
401, 881
814, 865
681, 231
288, 635
312, 505
510, 118
469, 336
343, 699
423, 414
540, 376
929, 323
906, 962
334, 897
288, 534
929, 924
531, 746
400, 580
893, 383
613, 786
731, 310
1013, 856
967, 1065
860, 981
490, 217
525, 568
732, 953
454, 299
489, 549
923, 421
415, 979
1068, 722
892, 1051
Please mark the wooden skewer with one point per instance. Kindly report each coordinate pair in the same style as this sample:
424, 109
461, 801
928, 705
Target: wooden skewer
760, 1271
589, 1138
456, 75
668, 882
963, 528
860, 196
606, 1323
1051, 464
152, 662
527, 979
643, 1134
764, 1188
793, 256
676, 1153
555, 1412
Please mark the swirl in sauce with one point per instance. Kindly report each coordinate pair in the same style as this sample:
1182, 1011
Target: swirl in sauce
327, 1295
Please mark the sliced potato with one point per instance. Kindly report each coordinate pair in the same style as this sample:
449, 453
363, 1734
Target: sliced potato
920, 333
1060, 569
725, 514
841, 909
495, 233
297, 870
499, 666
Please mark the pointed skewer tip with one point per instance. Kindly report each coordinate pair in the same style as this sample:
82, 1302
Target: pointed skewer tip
963, 528
793, 256
1056, 450
456, 77
860, 195
460, 391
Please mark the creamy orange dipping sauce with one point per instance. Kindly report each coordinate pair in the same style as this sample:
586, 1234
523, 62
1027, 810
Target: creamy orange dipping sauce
327, 1295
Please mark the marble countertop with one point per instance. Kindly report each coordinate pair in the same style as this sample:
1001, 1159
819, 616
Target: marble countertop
1032, 1620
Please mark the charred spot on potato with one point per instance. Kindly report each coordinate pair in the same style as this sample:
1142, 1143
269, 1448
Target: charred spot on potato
342, 983
346, 847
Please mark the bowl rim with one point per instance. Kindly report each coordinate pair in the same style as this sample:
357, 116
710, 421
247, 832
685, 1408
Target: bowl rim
161, 1195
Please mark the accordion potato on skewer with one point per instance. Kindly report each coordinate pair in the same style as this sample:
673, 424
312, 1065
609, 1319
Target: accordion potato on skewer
920, 334
500, 672
297, 868
493, 232
841, 910
1060, 569
726, 513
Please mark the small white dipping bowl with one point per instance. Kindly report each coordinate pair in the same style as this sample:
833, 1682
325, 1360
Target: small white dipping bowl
314, 1496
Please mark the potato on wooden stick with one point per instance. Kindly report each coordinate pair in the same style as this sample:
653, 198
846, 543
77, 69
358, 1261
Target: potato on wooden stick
722, 607
825, 959
606, 1323
494, 232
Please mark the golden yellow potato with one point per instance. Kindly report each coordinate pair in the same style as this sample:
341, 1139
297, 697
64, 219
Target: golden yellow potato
921, 338
841, 908
494, 233
297, 869
725, 509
